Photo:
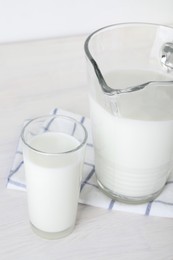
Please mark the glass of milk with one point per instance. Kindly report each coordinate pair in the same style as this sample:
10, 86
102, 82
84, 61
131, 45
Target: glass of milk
53, 150
131, 105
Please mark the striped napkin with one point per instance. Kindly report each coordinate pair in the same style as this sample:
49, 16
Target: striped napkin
90, 194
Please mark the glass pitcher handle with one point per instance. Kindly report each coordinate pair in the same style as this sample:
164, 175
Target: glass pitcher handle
167, 56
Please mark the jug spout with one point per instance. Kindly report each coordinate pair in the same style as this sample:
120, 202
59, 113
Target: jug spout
166, 60
105, 88
129, 66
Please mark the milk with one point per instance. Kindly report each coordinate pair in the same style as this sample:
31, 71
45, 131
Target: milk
53, 181
134, 145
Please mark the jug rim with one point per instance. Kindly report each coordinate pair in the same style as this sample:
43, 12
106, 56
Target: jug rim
105, 87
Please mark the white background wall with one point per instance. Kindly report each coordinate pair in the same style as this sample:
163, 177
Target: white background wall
37, 19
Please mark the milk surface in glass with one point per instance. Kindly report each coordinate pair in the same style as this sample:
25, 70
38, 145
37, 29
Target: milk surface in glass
53, 184
134, 148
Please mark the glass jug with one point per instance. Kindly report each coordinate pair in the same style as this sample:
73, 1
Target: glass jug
131, 106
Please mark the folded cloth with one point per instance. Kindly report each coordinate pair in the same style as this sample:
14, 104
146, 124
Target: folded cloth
90, 194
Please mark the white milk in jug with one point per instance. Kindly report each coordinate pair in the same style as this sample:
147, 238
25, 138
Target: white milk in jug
134, 148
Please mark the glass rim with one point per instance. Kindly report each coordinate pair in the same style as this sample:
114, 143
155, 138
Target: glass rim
68, 118
105, 87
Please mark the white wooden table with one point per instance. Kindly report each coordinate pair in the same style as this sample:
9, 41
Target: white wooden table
34, 78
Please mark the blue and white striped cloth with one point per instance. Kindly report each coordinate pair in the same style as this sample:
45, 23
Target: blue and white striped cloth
90, 193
